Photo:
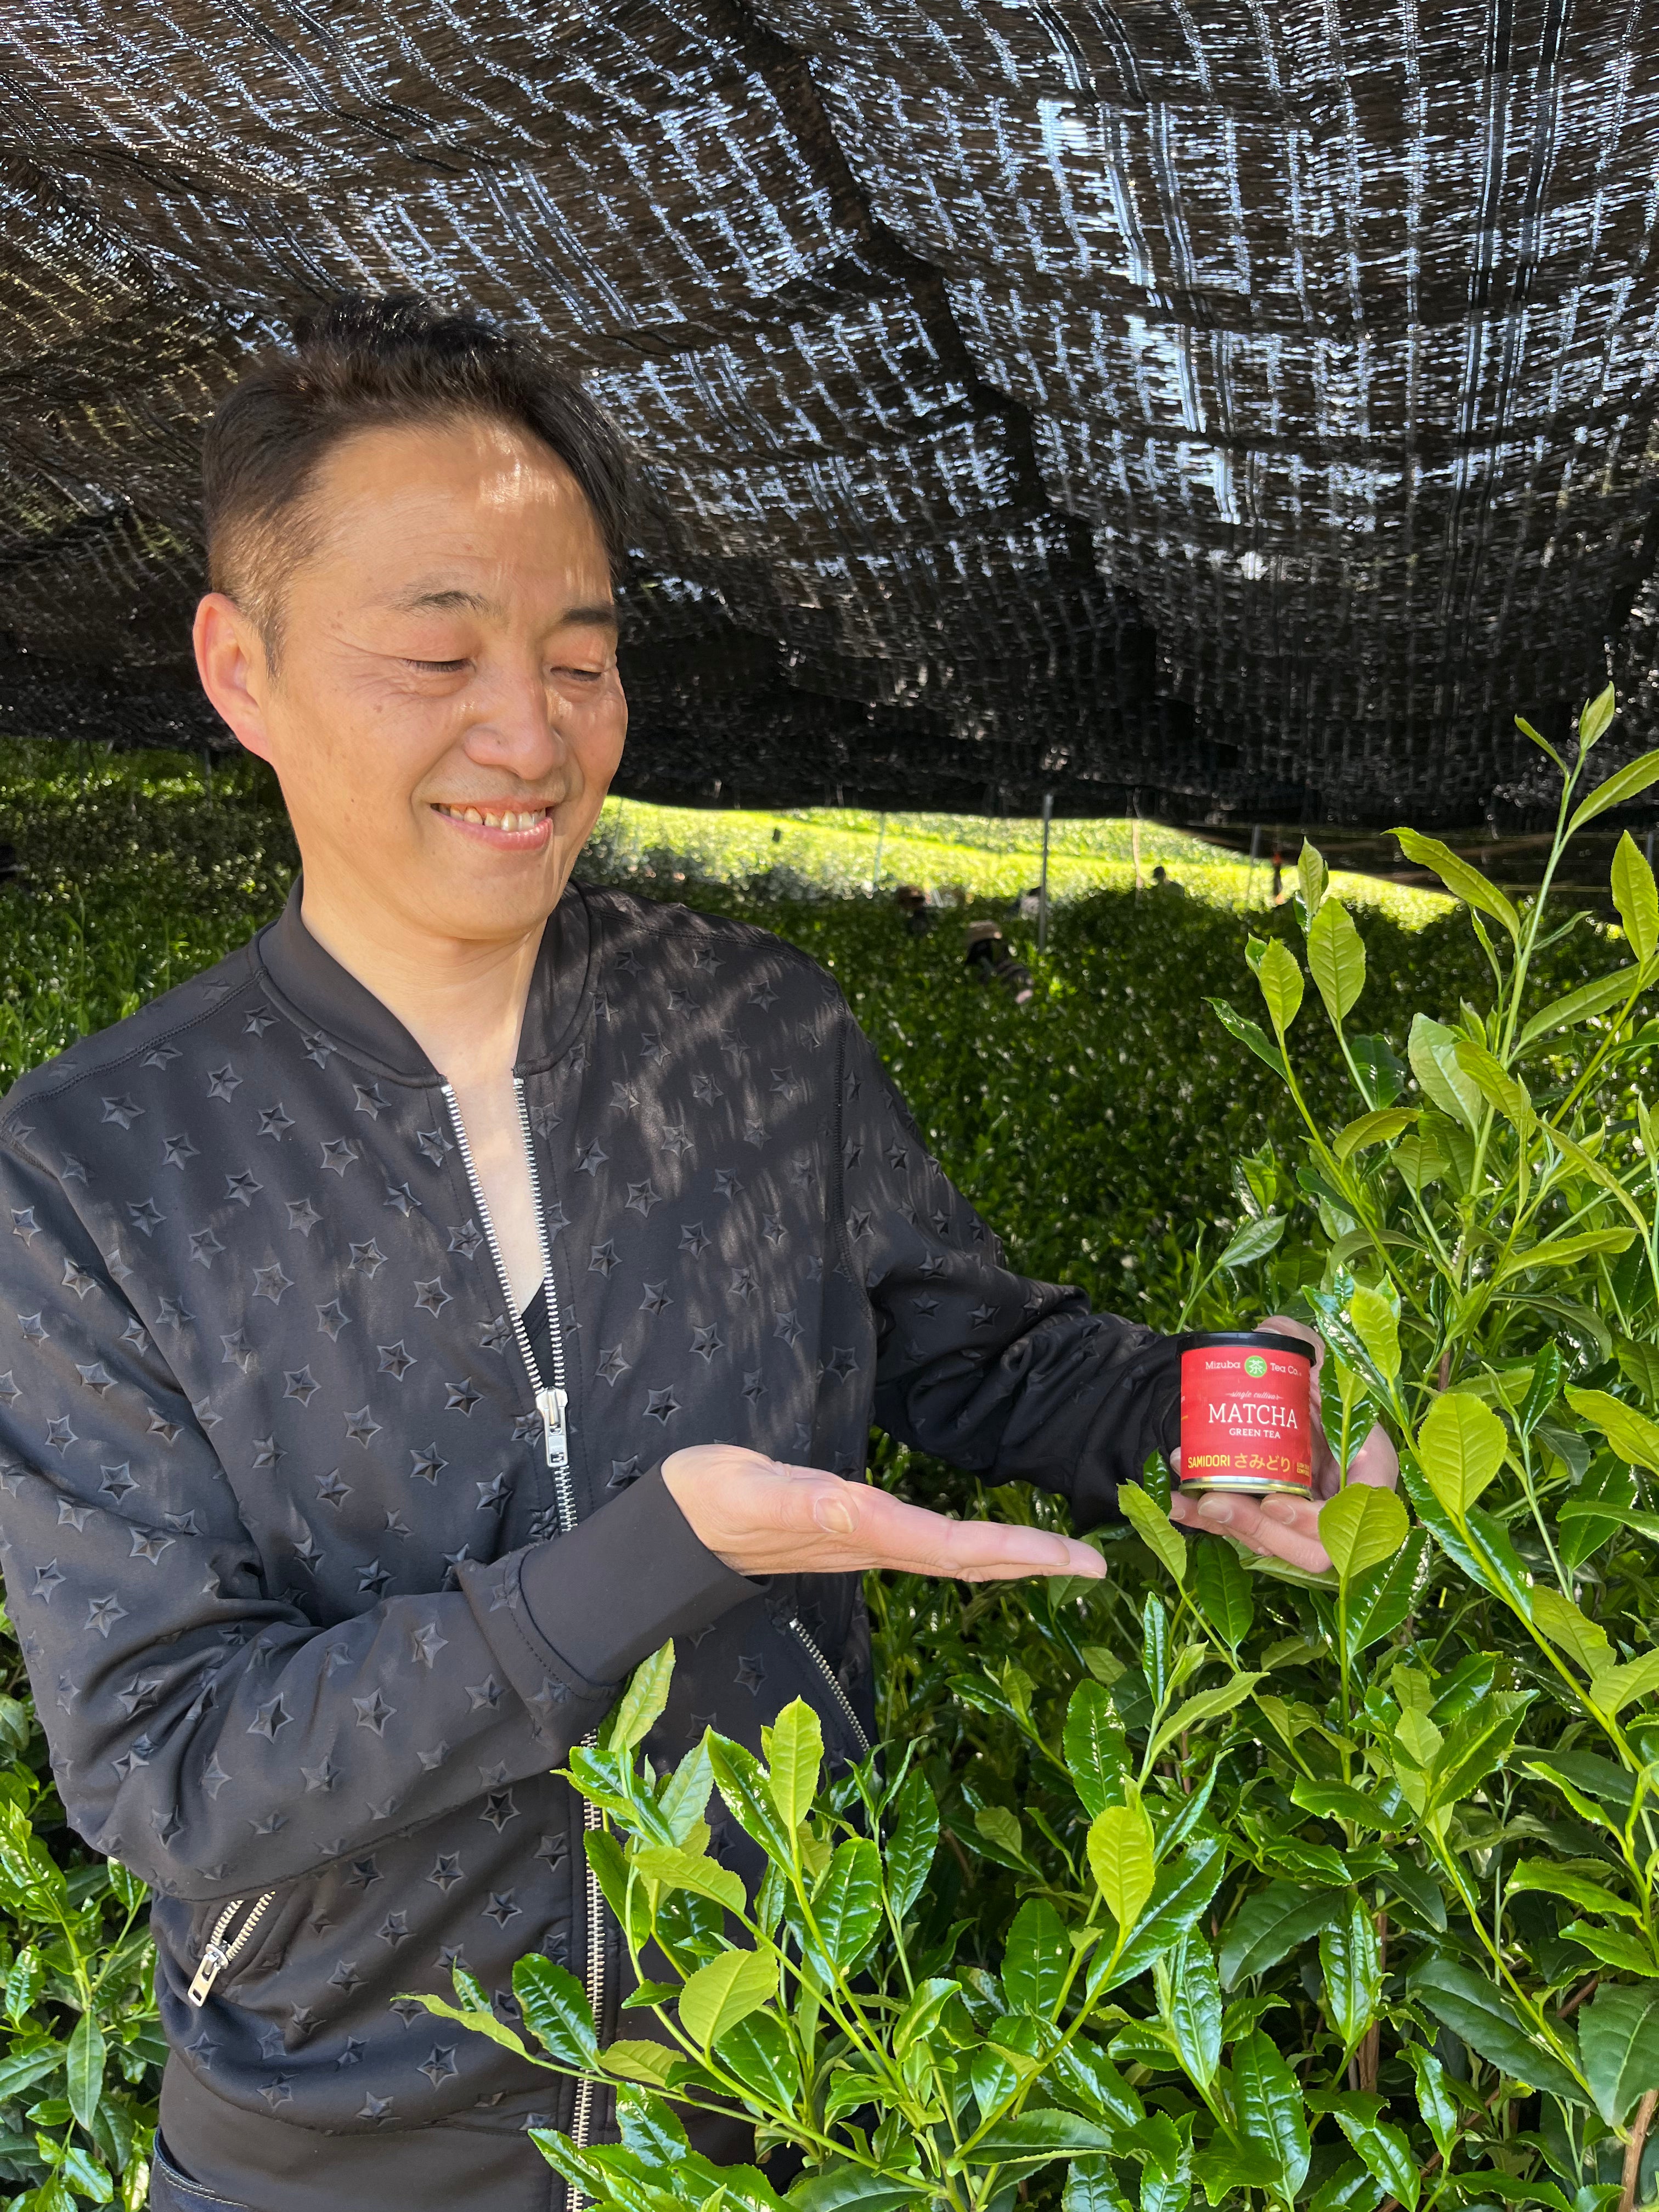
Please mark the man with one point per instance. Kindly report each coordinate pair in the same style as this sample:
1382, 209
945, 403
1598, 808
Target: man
468, 1285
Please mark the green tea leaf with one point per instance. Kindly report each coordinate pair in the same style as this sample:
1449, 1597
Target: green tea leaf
1036, 1958
1632, 1435
1154, 1530
685, 1794
1576, 1888
1381, 1598
1636, 898
633, 2058
1639, 1365
1000, 1829
849, 2189
1120, 1858
1353, 1977
1193, 2009
1379, 1127
1615, 1687
1625, 1955
23, 1983
1471, 2007
1622, 785
1619, 2039
912, 1842
1460, 1447
1361, 1526
474, 2017
1435, 2100
1596, 719
681, 1870
1268, 2104
1374, 1322
1207, 1705
84, 2068
1254, 1241
1028, 2140
1095, 1748
920, 2018
1566, 1252
1312, 877
1340, 1801
1281, 986
1386, 2152
1336, 959
847, 1903
1543, 1390
741, 1782
1268, 1926
557, 2012
1431, 1049
1091, 2186
1569, 1627
640, 1705
1250, 1033
727, 1989
758, 2051
1578, 1005
794, 1754
1221, 1590
1496, 1085
1462, 880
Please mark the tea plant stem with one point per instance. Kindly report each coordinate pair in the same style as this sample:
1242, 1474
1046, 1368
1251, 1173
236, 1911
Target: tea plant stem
1638, 2135
1542, 2025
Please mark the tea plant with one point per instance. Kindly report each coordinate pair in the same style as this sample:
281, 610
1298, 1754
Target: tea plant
81, 2045
1417, 1794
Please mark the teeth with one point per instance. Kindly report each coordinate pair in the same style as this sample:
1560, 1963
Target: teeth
523, 819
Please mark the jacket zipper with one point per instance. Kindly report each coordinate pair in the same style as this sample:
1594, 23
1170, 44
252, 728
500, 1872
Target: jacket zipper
217, 1953
550, 1403
833, 1679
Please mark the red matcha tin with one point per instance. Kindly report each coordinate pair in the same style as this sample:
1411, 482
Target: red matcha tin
1246, 1413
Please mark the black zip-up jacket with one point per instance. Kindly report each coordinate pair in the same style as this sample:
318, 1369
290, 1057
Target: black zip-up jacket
310, 1606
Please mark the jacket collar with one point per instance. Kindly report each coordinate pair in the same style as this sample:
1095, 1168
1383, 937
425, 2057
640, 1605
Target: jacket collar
322, 995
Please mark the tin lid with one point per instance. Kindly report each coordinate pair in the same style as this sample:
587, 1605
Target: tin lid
1260, 1339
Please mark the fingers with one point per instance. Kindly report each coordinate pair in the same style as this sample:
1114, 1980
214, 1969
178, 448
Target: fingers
770, 1517
1277, 1528
1282, 1325
1376, 1462
909, 1540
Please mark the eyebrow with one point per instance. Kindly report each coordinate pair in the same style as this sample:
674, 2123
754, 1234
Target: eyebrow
599, 616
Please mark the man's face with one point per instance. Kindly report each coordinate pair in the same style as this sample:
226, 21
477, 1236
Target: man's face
446, 715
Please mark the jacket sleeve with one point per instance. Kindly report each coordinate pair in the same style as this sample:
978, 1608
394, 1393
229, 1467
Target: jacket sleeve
203, 1731
1015, 1380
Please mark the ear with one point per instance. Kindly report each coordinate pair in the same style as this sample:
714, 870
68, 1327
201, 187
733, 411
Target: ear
230, 660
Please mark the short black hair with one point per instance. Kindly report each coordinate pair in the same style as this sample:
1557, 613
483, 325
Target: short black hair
372, 363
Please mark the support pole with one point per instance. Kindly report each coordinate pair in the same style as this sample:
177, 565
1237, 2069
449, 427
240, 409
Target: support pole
1042, 880
881, 839
1255, 854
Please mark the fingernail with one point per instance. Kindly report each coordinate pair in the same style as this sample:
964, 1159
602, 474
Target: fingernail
832, 1514
1217, 1511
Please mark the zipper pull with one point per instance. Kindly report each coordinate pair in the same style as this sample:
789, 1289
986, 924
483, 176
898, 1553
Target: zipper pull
213, 1960
550, 1404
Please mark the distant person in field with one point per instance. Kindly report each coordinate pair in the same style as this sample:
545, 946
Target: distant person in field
1164, 881
912, 903
384, 1290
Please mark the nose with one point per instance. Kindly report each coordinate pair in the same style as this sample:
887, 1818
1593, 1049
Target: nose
516, 724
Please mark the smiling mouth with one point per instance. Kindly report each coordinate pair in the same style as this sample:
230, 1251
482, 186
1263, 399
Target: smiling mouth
509, 818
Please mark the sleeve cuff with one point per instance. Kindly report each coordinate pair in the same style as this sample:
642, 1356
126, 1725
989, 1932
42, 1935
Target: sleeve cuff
623, 1582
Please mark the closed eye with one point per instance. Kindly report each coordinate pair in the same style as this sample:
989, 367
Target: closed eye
437, 667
